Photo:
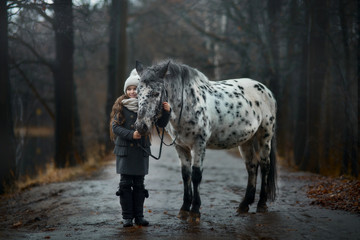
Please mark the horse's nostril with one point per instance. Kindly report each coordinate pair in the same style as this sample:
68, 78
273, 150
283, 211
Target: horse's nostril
141, 128
144, 128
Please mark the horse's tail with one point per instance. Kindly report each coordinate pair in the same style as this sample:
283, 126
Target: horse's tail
272, 177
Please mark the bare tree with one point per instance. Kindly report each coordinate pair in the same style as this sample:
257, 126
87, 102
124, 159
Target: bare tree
66, 150
7, 140
117, 58
350, 154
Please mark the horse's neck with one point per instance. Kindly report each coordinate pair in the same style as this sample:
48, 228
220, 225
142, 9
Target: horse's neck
180, 97
175, 97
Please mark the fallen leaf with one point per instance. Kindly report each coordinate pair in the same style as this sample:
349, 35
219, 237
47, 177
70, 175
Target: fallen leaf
17, 224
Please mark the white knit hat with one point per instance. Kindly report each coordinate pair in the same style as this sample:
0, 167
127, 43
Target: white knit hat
132, 80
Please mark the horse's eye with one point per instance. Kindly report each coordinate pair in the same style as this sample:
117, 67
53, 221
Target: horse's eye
155, 94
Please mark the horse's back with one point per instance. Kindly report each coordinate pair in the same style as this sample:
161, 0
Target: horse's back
239, 107
250, 90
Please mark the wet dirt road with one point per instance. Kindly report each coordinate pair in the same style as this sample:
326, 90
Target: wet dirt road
88, 208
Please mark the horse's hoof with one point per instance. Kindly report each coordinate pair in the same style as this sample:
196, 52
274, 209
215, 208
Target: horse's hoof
262, 208
242, 210
194, 217
183, 215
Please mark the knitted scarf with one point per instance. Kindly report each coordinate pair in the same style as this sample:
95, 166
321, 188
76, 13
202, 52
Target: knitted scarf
131, 104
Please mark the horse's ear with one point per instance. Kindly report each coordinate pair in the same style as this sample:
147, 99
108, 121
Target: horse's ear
163, 70
139, 67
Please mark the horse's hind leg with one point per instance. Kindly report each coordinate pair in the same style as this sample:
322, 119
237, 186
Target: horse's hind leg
265, 148
185, 157
248, 152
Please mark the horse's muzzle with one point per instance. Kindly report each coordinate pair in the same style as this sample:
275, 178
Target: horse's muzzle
141, 128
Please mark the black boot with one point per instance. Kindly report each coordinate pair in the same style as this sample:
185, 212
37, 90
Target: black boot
126, 202
127, 222
139, 194
141, 221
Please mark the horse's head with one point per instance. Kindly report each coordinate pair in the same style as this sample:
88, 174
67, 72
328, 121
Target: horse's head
151, 94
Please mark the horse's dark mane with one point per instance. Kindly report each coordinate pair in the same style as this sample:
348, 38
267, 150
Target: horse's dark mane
187, 73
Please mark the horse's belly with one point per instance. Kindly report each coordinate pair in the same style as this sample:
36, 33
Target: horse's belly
221, 145
220, 140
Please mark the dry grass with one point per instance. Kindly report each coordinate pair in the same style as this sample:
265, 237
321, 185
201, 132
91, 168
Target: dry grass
52, 174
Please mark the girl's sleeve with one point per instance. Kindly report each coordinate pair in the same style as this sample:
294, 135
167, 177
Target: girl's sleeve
163, 121
122, 132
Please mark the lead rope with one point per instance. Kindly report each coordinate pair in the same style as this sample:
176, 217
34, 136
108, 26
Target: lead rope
161, 143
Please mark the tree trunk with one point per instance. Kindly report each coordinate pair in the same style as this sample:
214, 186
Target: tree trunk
300, 136
7, 139
316, 72
290, 92
357, 159
66, 152
350, 161
122, 46
274, 10
117, 59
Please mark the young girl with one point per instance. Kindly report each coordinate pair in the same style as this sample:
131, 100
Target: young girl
131, 161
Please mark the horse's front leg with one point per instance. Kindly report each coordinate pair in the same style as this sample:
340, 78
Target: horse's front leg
196, 176
185, 158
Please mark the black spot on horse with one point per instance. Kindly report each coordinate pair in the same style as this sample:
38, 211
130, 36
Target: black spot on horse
237, 95
197, 114
192, 92
217, 110
257, 103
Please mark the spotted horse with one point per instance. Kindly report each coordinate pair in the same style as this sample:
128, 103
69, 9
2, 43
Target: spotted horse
215, 115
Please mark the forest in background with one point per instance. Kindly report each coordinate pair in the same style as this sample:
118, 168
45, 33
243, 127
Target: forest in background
63, 63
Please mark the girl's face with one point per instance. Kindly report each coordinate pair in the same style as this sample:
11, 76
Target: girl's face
131, 91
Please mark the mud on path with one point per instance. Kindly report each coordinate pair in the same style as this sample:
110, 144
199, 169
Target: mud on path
88, 208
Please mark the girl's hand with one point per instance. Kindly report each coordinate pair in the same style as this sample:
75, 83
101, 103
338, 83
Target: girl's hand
136, 135
166, 106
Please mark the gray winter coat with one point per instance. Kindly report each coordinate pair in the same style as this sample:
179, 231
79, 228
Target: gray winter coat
130, 158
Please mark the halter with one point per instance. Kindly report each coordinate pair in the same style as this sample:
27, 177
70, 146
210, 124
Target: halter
164, 92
